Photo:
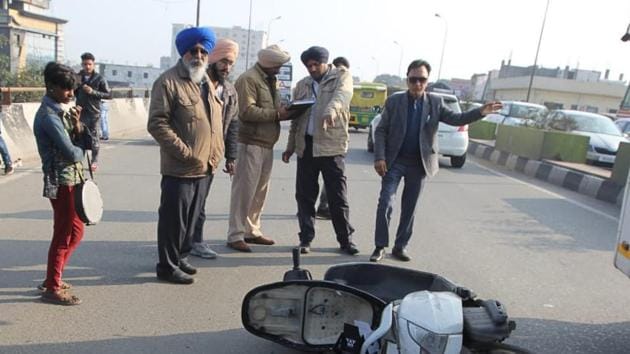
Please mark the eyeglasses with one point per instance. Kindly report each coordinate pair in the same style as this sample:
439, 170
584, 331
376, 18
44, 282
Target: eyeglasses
416, 79
195, 50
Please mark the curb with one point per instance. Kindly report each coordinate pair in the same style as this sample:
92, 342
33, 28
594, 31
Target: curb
583, 183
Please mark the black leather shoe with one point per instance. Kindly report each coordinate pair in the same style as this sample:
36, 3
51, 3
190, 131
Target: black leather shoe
401, 254
176, 277
305, 247
378, 254
349, 248
187, 268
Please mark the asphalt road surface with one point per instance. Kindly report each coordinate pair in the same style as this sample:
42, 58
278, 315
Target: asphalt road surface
546, 253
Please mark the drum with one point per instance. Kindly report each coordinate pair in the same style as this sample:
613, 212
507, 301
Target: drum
88, 202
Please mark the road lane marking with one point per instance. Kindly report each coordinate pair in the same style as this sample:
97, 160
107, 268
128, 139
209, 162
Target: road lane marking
541, 189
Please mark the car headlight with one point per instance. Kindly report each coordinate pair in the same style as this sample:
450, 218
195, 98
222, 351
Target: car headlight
429, 342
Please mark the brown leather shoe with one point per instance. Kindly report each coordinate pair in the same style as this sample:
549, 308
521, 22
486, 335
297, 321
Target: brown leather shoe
260, 240
240, 246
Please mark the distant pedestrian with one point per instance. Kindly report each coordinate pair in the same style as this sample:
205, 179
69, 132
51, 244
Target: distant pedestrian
185, 120
61, 142
320, 138
104, 120
323, 211
6, 157
405, 146
260, 113
92, 90
222, 60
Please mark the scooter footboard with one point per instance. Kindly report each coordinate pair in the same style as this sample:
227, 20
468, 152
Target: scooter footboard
307, 314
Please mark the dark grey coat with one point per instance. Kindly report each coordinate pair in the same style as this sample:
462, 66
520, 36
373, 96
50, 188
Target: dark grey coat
390, 133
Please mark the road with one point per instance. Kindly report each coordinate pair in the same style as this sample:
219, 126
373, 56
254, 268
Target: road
546, 253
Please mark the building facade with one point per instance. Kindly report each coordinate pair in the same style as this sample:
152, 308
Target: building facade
27, 35
128, 75
576, 89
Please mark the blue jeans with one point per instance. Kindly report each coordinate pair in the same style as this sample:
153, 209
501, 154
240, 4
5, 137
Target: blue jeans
414, 176
5, 153
104, 120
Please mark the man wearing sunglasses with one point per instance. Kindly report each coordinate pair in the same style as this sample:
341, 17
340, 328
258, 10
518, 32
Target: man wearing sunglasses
185, 120
405, 146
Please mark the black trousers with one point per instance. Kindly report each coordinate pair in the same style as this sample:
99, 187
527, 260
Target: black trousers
94, 126
332, 169
201, 220
180, 205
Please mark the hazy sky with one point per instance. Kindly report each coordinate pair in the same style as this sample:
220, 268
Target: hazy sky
480, 32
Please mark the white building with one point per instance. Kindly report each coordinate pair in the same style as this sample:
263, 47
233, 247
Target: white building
246, 59
128, 75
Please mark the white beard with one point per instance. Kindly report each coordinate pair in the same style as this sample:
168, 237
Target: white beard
196, 72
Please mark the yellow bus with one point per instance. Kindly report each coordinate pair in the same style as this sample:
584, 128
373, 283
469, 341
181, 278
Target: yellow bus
367, 102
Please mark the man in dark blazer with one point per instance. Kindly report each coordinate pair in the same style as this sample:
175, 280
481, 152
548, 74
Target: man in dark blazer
406, 147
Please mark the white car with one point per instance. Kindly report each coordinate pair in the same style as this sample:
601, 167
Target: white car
604, 135
517, 113
452, 141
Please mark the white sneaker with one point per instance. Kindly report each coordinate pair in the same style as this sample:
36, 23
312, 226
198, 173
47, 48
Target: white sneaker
201, 249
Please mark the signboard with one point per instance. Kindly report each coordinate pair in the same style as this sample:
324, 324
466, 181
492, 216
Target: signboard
285, 76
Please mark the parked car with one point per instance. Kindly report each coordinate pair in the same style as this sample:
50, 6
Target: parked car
517, 113
624, 126
603, 133
452, 141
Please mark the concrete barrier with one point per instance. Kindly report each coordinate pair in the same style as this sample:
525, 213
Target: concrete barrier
16, 123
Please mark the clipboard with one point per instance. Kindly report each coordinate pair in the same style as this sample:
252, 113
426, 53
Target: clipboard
300, 105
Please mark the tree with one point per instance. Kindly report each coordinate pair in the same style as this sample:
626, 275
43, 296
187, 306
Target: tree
390, 80
29, 76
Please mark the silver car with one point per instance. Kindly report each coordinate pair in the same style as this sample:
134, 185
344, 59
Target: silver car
452, 141
517, 113
604, 135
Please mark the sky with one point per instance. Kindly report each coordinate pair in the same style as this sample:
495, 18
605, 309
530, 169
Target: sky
377, 36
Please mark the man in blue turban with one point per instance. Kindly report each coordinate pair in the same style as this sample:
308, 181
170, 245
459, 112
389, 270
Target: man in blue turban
185, 118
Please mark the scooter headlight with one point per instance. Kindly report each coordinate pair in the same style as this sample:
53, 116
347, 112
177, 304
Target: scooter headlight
429, 342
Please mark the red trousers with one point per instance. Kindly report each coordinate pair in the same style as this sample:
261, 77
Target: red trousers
67, 234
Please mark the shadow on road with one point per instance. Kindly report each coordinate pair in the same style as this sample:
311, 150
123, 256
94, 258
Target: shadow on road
233, 341
549, 336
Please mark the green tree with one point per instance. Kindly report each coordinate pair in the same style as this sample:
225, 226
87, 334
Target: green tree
29, 76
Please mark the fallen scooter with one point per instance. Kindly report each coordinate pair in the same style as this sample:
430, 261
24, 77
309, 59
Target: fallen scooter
373, 308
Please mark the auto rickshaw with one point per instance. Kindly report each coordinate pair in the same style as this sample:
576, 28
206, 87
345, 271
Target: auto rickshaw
368, 101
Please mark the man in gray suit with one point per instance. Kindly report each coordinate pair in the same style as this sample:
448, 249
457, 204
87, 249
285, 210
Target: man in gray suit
406, 147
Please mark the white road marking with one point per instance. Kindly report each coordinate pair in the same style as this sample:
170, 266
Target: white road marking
556, 195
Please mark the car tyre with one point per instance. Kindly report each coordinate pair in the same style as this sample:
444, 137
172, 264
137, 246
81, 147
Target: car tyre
370, 142
458, 161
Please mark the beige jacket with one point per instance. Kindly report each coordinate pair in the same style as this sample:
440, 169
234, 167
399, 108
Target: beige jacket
333, 98
190, 136
258, 109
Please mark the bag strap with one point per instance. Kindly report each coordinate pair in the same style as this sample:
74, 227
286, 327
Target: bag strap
89, 167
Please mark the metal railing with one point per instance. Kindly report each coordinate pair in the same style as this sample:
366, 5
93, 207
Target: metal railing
12, 95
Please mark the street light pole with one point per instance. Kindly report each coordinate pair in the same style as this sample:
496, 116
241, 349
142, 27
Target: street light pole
443, 45
249, 35
399, 60
531, 78
269, 28
198, 8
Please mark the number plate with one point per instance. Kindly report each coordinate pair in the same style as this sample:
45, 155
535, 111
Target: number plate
609, 159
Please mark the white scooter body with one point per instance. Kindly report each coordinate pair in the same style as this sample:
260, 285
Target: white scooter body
425, 322
432, 321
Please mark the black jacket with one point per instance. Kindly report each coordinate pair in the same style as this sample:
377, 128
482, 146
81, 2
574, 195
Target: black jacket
91, 104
